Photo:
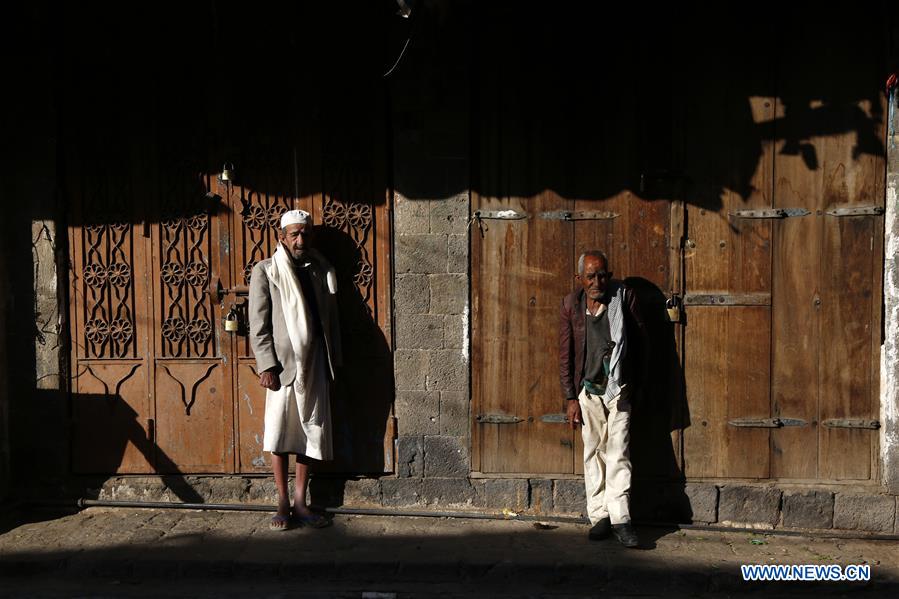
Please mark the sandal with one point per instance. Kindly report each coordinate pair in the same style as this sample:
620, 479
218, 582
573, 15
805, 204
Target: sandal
312, 521
280, 523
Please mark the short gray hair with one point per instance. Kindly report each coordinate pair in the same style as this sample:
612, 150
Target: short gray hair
593, 254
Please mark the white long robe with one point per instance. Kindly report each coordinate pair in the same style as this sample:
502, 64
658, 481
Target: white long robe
298, 415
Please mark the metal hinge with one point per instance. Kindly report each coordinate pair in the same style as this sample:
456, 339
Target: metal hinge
766, 422
500, 214
851, 423
498, 419
856, 211
578, 215
727, 299
559, 418
770, 213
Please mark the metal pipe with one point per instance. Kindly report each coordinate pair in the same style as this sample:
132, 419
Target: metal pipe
249, 507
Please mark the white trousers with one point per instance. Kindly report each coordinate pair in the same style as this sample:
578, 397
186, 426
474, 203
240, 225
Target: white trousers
607, 463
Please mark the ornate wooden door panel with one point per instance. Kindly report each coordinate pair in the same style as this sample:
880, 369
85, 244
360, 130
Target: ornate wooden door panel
256, 218
112, 409
352, 232
193, 378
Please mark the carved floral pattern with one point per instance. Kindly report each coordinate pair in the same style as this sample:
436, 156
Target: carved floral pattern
119, 274
172, 273
121, 329
96, 330
94, 275
174, 329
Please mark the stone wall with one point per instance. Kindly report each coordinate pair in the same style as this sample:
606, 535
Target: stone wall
431, 346
759, 506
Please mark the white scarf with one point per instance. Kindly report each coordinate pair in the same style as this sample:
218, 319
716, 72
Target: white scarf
293, 304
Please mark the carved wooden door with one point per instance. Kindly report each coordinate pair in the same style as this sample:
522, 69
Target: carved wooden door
158, 385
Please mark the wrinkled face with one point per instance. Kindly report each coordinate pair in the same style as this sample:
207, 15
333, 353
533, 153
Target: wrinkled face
595, 277
295, 239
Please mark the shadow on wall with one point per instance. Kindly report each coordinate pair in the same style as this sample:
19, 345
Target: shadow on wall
660, 408
364, 389
681, 97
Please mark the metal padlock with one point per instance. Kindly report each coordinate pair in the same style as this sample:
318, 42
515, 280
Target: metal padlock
672, 306
232, 321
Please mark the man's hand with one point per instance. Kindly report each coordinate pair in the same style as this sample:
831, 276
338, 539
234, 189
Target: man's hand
269, 380
574, 413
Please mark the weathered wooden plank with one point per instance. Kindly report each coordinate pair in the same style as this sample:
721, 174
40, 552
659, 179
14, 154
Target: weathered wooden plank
847, 278
727, 379
517, 327
727, 345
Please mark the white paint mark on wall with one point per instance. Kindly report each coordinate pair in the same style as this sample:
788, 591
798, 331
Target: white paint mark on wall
466, 334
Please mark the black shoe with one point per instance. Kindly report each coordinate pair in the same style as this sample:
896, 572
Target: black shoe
601, 530
626, 535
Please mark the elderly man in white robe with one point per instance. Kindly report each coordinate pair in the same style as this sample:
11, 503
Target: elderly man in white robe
295, 337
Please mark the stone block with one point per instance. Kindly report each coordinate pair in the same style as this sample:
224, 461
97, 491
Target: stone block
808, 509
540, 495
417, 412
410, 368
454, 331
446, 457
411, 217
447, 371
457, 254
409, 457
457, 492
362, 492
570, 496
854, 511
421, 254
656, 501
448, 293
703, 500
263, 490
450, 215
755, 507
400, 492
506, 493
419, 331
326, 491
411, 294
454, 413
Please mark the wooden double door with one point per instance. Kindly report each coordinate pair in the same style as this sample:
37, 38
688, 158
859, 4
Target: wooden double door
159, 384
755, 195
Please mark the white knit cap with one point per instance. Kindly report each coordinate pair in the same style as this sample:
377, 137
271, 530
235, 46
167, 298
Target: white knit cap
294, 217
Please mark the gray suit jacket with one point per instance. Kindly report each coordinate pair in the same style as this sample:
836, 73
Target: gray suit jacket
268, 329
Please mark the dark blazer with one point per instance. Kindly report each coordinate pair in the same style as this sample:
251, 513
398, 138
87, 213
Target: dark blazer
573, 341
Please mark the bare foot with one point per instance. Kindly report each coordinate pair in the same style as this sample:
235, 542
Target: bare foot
281, 520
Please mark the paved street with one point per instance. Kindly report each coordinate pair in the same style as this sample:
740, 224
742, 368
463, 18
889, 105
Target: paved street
115, 552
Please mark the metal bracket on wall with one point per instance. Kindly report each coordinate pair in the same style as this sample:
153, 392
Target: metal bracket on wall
578, 215
851, 423
766, 422
855, 211
770, 213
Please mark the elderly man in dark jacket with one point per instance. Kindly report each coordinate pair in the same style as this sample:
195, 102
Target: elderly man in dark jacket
596, 374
